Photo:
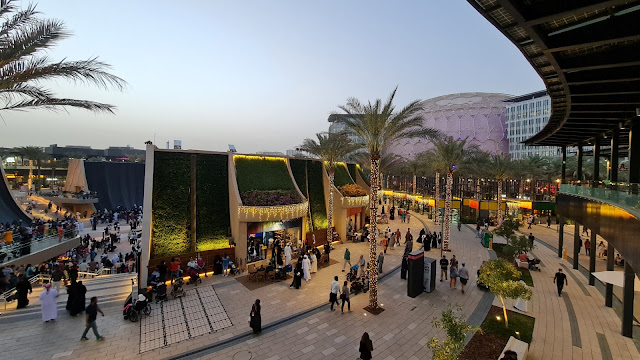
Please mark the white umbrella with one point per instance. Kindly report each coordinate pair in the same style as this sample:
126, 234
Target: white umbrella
615, 278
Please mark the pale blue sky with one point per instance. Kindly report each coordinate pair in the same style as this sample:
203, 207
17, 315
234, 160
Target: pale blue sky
262, 75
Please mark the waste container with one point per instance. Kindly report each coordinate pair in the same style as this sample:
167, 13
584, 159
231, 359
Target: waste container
415, 283
488, 237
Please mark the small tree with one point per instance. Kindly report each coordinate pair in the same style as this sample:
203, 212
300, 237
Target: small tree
456, 329
516, 244
502, 277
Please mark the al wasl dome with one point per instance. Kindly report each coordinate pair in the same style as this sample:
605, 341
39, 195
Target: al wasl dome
479, 117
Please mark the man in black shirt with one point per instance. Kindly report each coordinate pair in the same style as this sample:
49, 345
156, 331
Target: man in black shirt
531, 239
561, 281
92, 313
444, 264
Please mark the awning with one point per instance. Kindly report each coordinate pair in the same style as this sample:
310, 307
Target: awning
615, 278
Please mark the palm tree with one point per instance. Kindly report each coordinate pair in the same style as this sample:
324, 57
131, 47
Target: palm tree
414, 168
448, 156
500, 169
479, 162
330, 148
24, 37
378, 125
33, 154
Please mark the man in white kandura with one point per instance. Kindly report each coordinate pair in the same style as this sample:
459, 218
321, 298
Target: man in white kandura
287, 254
306, 267
48, 303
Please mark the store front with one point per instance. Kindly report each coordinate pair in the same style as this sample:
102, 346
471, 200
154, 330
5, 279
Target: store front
263, 238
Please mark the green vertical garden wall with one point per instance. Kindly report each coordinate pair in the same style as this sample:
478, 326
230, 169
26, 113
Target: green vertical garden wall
171, 204
342, 176
212, 203
310, 172
352, 171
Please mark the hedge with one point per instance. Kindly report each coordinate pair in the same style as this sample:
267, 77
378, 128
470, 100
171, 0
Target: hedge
352, 171
341, 176
171, 204
315, 192
262, 173
365, 178
212, 203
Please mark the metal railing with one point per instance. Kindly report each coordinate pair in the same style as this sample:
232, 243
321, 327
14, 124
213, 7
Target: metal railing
624, 196
34, 279
19, 248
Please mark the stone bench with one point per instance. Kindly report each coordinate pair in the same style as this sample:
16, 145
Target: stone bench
520, 347
522, 264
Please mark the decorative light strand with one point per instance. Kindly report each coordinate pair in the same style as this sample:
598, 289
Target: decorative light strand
447, 212
373, 232
273, 212
330, 212
437, 199
355, 201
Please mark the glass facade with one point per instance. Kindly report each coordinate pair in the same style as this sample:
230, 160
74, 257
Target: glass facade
526, 116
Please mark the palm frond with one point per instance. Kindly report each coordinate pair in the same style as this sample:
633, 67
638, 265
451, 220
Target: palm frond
59, 104
24, 90
21, 18
27, 40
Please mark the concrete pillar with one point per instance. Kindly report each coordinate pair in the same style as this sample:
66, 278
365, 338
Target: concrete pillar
192, 193
563, 169
579, 172
608, 295
147, 218
592, 258
613, 161
634, 156
576, 245
596, 163
627, 302
560, 235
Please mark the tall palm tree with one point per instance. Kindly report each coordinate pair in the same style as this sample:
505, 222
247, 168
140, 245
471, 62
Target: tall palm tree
415, 168
23, 66
331, 148
448, 156
35, 155
378, 125
479, 162
500, 169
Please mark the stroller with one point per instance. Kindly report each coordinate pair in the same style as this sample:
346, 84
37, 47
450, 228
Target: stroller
134, 310
194, 276
233, 269
533, 264
161, 292
353, 273
177, 290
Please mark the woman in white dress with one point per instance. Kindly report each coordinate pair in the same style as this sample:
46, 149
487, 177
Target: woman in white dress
306, 266
314, 263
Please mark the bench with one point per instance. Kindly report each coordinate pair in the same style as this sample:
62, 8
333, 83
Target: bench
520, 347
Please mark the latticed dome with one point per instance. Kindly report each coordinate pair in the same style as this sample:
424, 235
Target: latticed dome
479, 117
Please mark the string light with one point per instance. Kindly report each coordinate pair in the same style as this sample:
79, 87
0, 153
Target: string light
373, 232
273, 212
447, 212
330, 212
437, 201
355, 201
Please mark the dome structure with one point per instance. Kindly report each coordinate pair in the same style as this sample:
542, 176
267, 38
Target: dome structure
479, 117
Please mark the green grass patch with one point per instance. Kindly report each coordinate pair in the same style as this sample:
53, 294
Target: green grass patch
517, 323
526, 277
525, 273
262, 173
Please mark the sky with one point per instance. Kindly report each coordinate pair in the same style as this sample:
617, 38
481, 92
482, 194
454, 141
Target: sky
262, 75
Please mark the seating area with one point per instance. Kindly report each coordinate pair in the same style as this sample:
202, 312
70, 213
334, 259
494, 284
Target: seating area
518, 346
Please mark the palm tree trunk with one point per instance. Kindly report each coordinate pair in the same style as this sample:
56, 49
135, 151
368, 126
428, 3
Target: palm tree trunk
478, 190
373, 234
499, 201
30, 181
447, 212
521, 188
437, 198
330, 212
415, 183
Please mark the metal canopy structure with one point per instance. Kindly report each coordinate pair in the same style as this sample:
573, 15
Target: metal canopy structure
587, 52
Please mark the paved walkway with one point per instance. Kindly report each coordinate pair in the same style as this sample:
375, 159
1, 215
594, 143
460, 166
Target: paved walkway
290, 321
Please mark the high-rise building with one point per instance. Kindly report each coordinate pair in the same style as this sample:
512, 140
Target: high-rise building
526, 116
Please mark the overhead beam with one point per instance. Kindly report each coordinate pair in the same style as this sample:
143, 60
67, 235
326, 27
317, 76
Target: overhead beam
551, 13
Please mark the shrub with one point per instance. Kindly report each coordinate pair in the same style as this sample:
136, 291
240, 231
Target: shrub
352, 190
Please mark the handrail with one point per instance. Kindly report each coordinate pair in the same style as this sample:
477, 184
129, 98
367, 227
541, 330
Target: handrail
624, 200
18, 245
36, 278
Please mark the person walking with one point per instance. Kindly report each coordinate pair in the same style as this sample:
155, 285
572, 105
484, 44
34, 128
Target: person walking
48, 303
333, 295
408, 243
306, 267
92, 314
549, 222
398, 235
464, 276
453, 275
79, 298
529, 221
344, 296
380, 262
297, 275
587, 247
366, 347
600, 249
531, 239
314, 262
347, 259
459, 224
287, 254
560, 280
361, 265
444, 264
255, 319
23, 288
174, 267
225, 265
56, 277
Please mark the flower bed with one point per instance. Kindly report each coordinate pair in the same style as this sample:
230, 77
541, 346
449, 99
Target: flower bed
352, 190
270, 197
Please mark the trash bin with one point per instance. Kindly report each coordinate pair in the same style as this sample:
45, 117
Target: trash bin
488, 237
415, 283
